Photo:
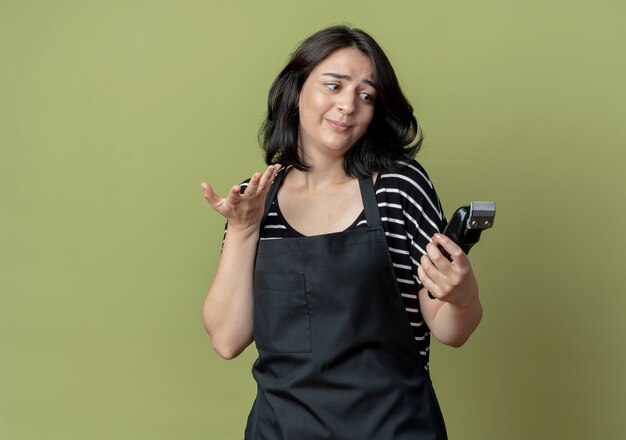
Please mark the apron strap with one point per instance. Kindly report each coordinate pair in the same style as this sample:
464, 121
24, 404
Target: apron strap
372, 215
271, 194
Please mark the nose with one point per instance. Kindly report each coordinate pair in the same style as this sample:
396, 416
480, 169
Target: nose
346, 102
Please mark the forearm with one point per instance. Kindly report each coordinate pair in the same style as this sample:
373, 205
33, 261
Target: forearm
449, 323
228, 308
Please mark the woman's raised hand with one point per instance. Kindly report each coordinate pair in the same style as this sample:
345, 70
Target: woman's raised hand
243, 211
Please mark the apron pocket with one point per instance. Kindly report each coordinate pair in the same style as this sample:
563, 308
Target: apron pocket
282, 322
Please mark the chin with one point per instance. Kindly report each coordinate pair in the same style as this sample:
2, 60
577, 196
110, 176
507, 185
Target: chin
340, 146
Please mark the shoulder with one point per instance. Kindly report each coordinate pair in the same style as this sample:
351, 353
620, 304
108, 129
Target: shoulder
409, 174
411, 187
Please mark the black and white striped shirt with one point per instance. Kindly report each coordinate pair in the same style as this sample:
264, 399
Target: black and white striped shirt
411, 214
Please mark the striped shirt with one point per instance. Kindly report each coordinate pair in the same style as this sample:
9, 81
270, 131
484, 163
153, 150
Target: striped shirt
411, 214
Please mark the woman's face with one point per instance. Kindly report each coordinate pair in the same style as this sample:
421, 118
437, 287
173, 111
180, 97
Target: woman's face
336, 104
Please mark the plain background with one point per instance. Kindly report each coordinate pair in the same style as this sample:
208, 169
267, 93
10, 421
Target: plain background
113, 112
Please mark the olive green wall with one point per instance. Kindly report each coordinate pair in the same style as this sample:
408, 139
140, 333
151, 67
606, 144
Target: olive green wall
112, 112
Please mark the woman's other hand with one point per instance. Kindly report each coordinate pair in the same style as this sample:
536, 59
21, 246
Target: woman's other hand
456, 314
243, 210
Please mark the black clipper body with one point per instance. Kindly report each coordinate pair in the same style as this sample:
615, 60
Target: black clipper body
468, 222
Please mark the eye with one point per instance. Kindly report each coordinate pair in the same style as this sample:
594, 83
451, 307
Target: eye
367, 97
332, 86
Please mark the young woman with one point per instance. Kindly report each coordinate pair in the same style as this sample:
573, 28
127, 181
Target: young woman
330, 254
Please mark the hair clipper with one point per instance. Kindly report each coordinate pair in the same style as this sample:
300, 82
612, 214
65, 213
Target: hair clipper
467, 223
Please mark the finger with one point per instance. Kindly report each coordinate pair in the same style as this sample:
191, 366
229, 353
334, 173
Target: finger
432, 271
427, 282
205, 187
234, 195
266, 178
210, 195
437, 257
453, 249
253, 184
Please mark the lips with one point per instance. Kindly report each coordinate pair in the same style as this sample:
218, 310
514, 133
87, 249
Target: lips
339, 126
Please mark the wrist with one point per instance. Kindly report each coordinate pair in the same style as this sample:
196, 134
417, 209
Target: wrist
467, 301
239, 233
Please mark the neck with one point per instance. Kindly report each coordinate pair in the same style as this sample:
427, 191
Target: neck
320, 175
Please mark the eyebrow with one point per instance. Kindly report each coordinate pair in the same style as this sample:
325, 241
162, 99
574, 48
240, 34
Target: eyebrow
347, 77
